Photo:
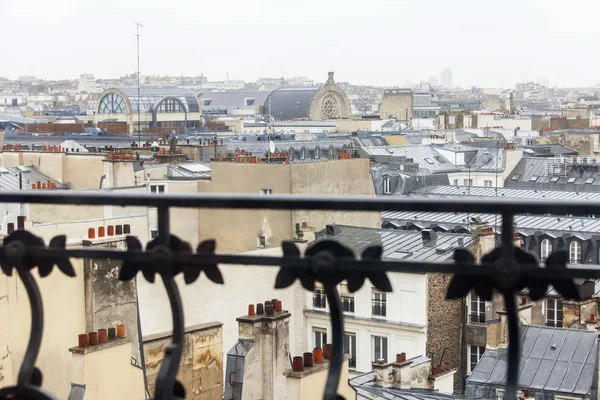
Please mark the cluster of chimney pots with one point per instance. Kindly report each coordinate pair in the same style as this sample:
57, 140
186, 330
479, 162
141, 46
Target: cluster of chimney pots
101, 336
269, 308
309, 359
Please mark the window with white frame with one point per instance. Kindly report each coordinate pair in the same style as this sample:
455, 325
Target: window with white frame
456, 182
468, 182
476, 353
317, 152
554, 313
379, 348
320, 337
476, 308
575, 252
347, 299
387, 187
319, 298
261, 242
487, 183
302, 153
378, 303
545, 249
266, 192
157, 189
350, 348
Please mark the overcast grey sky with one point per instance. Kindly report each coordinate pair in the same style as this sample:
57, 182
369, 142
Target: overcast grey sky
488, 43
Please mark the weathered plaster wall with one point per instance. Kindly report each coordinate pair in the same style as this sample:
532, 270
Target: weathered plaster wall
201, 366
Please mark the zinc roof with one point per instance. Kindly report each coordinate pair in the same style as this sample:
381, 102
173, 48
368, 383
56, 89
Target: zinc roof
478, 191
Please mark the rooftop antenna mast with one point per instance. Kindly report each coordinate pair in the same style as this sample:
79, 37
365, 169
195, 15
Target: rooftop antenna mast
137, 34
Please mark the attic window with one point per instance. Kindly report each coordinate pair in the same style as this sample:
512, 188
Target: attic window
589, 181
554, 179
249, 102
515, 177
533, 178
571, 180
429, 160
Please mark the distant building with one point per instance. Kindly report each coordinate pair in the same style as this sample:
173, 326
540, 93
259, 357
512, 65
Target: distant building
446, 78
87, 84
160, 110
398, 104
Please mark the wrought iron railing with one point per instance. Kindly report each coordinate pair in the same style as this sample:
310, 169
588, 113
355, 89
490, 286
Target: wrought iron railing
506, 269
347, 304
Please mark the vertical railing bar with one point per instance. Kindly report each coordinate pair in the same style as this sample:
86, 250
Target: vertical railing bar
37, 327
163, 225
511, 310
337, 340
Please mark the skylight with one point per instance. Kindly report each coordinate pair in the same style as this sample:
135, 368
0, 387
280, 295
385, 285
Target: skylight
554, 179
516, 177
429, 160
533, 178
589, 180
399, 255
571, 180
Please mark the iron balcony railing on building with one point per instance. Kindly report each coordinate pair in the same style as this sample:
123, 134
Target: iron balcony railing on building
319, 299
477, 318
378, 308
347, 304
507, 269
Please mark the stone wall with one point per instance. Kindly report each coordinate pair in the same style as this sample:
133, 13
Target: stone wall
444, 325
201, 366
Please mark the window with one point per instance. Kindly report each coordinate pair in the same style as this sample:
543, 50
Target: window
317, 152
379, 348
378, 303
487, 183
249, 102
387, 187
468, 182
574, 253
157, 189
476, 353
554, 313
320, 335
260, 242
533, 178
545, 249
153, 234
350, 348
347, 299
303, 153
266, 192
456, 182
477, 308
319, 298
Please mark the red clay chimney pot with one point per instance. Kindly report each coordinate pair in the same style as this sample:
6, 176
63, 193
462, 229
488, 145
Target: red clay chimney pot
308, 359
251, 312
298, 364
318, 355
112, 333
260, 309
93, 338
119, 230
102, 336
91, 233
327, 351
83, 340
121, 331
100, 231
111, 230
279, 306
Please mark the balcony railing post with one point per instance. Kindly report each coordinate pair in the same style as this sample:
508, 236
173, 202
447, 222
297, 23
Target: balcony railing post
337, 340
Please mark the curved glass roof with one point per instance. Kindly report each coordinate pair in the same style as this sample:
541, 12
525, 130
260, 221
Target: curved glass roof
150, 97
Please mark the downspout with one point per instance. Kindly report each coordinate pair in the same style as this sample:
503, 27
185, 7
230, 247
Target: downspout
463, 350
141, 340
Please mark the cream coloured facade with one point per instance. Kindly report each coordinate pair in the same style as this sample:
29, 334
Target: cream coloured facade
397, 103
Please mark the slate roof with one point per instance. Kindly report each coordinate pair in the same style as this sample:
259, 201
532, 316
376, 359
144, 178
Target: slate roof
432, 161
523, 223
367, 388
289, 103
537, 173
233, 99
552, 359
398, 245
9, 178
195, 170
449, 191
549, 150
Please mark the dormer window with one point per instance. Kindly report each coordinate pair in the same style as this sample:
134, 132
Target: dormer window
387, 185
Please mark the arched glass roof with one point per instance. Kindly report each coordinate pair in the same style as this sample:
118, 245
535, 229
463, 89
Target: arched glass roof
148, 100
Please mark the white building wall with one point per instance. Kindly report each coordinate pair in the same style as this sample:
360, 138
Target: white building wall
404, 326
478, 178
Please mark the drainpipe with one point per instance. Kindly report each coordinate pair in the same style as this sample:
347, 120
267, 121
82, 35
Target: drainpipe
102, 178
141, 340
463, 351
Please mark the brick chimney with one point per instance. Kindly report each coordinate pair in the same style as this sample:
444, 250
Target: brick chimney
256, 363
485, 236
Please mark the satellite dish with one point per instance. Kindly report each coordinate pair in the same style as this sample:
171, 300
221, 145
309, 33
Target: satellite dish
271, 146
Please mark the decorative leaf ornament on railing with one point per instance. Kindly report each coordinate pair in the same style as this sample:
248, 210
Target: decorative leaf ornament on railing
20, 251
325, 259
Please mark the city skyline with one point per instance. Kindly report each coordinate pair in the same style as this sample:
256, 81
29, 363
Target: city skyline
273, 40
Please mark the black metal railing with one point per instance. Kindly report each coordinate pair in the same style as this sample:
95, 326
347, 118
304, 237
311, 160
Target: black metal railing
506, 269
378, 308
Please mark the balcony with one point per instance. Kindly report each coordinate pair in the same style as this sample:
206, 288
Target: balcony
507, 269
347, 304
